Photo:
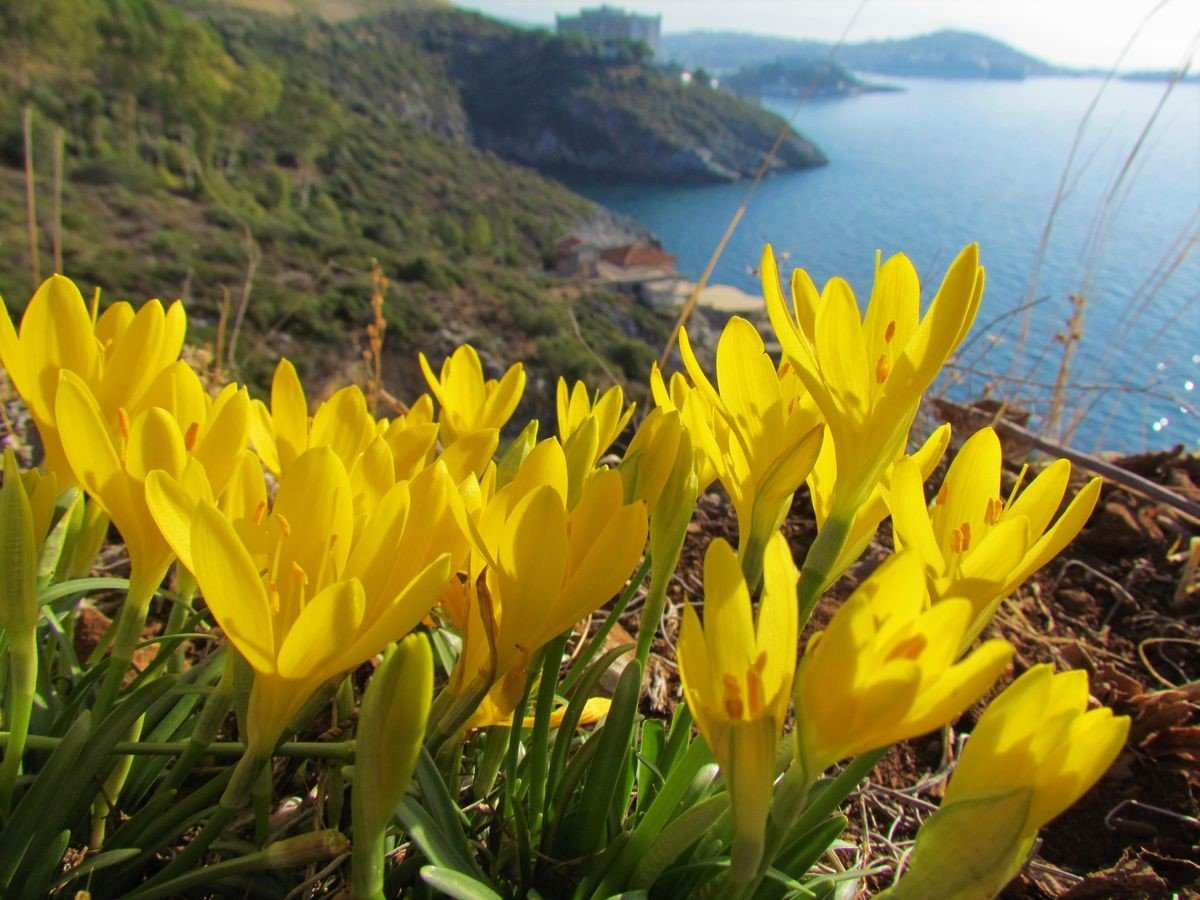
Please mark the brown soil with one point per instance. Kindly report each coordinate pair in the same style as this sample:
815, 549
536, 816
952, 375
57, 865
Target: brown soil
1115, 604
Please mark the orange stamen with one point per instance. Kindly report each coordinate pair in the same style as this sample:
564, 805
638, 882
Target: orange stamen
189, 439
883, 368
733, 697
890, 331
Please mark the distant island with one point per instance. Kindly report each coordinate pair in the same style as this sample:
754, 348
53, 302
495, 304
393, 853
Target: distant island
740, 58
798, 78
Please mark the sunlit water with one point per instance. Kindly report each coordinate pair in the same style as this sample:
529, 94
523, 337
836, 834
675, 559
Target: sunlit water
944, 163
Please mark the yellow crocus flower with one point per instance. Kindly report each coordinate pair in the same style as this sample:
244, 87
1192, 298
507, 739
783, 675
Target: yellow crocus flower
194, 438
299, 596
973, 542
867, 374
468, 402
867, 517
1035, 751
117, 356
766, 437
884, 669
537, 568
412, 438
283, 432
178, 429
697, 416
576, 406
737, 678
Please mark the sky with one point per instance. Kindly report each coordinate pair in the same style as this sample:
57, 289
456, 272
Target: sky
1080, 33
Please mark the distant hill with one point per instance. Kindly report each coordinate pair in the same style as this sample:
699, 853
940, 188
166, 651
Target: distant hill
943, 54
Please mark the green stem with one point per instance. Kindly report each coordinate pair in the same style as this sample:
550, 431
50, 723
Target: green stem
597, 642
343, 751
539, 740
177, 620
818, 569
652, 610
208, 723
23, 671
234, 798
366, 862
127, 633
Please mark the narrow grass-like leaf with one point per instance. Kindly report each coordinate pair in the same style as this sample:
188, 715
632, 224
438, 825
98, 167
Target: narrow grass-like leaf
41, 863
76, 586
78, 789
648, 773
94, 864
666, 805
676, 838
798, 858
18, 831
456, 885
828, 795
570, 722
536, 774
436, 823
607, 770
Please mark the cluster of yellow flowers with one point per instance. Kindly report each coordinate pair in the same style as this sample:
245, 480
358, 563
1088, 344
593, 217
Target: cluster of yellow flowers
318, 537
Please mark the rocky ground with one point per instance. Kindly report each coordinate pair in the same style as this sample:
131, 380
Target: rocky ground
1123, 602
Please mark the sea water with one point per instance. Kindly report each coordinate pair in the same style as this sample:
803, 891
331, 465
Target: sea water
939, 164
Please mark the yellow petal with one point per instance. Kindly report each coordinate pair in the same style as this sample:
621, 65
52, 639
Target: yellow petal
328, 623
471, 453
1069, 524
727, 614
226, 431
134, 359
343, 424
840, 350
232, 587
289, 414
395, 617
262, 436
173, 508
155, 443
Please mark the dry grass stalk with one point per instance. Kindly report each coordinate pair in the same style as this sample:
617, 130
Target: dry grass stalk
376, 329
35, 263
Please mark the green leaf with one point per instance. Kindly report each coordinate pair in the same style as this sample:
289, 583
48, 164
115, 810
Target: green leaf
667, 804
76, 791
79, 586
648, 774
801, 855
828, 794
436, 823
608, 766
570, 722
677, 837
42, 864
456, 884
94, 864
18, 831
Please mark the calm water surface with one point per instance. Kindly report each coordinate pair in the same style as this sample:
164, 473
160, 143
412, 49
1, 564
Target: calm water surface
944, 163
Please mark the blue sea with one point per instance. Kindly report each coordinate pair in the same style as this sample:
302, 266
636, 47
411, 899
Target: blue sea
939, 164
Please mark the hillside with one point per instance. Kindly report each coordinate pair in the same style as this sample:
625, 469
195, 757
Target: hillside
943, 54
572, 108
255, 167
